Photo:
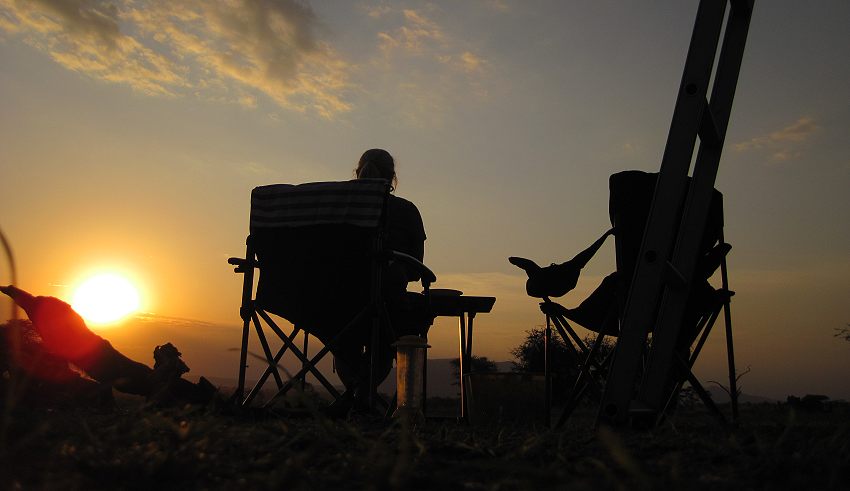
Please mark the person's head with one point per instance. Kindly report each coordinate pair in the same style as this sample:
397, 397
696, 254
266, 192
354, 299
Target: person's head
376, 164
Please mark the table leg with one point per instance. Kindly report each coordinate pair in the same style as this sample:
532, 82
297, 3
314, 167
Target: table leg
462, 365
424, 380
547, 371
471, 316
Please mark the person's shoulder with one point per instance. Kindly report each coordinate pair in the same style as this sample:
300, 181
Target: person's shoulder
404, 213
400, 203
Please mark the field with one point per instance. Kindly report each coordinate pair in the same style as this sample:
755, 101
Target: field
134, 447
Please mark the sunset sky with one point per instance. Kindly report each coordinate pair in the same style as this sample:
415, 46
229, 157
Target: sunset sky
132, 133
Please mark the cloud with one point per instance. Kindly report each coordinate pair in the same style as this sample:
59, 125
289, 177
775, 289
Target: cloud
85, 36
467, 62
498, 5
254, 168
419, 32
230, 49
416, 35
471, 62
378, 11
422, 37
147, 317
425, 68
782, 143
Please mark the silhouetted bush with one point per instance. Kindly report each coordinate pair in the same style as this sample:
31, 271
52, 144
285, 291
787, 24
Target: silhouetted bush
843, 332
529, 356
478, 364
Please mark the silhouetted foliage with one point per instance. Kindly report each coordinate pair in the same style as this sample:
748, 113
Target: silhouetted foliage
843, 332
565, 360
478, 364
738, 387
809, 402
531, 353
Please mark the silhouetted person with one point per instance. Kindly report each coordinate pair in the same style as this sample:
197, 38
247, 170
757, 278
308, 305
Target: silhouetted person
408, 312
64, 334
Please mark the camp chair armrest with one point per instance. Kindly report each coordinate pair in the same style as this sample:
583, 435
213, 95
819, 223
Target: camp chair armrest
426, 274
241, 264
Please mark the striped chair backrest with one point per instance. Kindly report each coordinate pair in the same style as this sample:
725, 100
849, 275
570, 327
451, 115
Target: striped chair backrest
358, 202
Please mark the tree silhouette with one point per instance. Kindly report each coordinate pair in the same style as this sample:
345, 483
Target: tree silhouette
843, 332
478, 364
530, 354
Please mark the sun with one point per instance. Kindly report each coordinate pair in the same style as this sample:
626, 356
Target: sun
105, 298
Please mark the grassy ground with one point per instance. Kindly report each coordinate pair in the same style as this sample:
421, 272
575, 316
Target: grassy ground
132, 447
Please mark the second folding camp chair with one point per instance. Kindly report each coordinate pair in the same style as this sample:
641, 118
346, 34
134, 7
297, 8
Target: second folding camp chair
630, 198
319, 252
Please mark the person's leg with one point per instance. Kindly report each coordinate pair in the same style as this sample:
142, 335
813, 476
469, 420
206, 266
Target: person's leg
410, 315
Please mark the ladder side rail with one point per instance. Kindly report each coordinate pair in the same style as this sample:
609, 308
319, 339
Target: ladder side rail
674, 301
657, 244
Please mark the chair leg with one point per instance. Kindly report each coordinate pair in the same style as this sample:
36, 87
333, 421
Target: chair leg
243, 360
309, 367
579, 387
572, 403
268, 371
291, 382
306, 340
267, 351
730, 349
704, 395
705, 327
256, 389
581, 351
564, 335
547, 372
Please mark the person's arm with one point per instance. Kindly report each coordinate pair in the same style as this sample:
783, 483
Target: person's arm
407, 233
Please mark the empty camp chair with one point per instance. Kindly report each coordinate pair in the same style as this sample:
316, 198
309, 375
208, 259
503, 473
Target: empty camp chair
319, 251
631, 195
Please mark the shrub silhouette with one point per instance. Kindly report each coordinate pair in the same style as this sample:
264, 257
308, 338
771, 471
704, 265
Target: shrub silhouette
564, 361
530, 354
478, 364
843, 332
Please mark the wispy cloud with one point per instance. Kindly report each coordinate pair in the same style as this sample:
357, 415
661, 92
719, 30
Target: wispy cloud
428, 67
85, 36
466, 61
784, 143
498, 5
417, 34
231, 49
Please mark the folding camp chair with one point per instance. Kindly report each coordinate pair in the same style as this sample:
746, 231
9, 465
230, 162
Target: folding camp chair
319, 250
601, 312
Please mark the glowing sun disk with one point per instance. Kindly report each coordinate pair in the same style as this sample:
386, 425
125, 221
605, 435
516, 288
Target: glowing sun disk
105, 298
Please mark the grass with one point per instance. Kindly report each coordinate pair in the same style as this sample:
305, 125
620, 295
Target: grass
134, 447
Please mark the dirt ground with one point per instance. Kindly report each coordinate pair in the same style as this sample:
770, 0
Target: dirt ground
134, 447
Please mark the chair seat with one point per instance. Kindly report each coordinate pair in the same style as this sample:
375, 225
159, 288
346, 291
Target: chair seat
598, 312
